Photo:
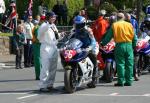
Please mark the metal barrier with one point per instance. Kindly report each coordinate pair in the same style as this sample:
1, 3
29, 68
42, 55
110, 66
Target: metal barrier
64, 28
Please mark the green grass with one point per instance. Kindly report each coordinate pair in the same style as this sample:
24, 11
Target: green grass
6, 34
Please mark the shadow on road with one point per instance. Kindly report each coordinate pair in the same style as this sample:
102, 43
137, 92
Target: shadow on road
22, 80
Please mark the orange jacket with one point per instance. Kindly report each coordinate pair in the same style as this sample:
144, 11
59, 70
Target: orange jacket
99, 28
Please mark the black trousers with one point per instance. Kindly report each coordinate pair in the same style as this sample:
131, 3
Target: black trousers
93, 58
28, 54
19, 53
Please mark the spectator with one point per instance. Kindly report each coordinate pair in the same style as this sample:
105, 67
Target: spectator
42, 9
148, 10
58, 9
48, 52
2, 10
4, 27
71, 21
134, 23
37, 19
19, 43
132, 19
64, 14
83, 13
125, 39
13, 17
28, 53
25, 16
99, 28
42, 19
36, 50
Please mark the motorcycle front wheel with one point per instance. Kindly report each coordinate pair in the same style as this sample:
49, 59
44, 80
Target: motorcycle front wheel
70, 80
109, 72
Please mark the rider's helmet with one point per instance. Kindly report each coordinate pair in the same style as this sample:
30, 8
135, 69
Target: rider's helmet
79, 22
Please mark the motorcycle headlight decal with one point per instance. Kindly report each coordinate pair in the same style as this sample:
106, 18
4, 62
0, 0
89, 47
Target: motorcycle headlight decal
69, 54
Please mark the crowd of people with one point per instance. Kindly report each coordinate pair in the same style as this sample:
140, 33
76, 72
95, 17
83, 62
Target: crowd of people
38, 38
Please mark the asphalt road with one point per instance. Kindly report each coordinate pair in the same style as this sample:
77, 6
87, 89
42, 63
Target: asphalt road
20, 86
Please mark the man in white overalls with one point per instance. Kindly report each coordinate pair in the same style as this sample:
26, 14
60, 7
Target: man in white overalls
48, 52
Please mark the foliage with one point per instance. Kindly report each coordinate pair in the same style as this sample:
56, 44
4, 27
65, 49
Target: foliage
108, 7
92, 13
146, 2
74, 5
50, 3
6, 34
22, 5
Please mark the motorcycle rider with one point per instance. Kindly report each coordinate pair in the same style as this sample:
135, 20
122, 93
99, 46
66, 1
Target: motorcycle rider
85, 34
145, 25
145, 29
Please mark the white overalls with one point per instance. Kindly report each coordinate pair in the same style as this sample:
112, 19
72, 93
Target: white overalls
48, 53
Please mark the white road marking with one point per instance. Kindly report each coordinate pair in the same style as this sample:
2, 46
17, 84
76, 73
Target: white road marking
28, 96
114, 94
11, 93
147, 95
101, 95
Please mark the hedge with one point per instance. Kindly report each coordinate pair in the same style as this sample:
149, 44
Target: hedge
22, 5
6, 34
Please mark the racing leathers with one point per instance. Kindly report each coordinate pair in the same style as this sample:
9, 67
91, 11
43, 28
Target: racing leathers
89, 43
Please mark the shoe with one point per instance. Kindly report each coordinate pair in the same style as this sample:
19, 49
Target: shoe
63, 88
103, 78
26, 66
17, 67
127, 84
118, 85
21, 67
44, 90
91, 85
37, 78
136, 78
52, 89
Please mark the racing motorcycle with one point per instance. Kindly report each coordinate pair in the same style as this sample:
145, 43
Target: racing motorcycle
78, 68
107, 53
143, 50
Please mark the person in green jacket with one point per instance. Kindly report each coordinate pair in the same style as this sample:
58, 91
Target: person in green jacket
36, 51
125, 39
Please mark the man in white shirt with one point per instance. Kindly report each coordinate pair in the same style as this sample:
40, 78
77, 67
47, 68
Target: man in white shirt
48, 52
28, 52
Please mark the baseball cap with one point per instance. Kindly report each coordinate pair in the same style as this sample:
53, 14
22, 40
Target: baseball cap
51, 14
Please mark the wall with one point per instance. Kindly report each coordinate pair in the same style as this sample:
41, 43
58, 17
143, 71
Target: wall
4, 45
